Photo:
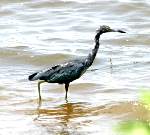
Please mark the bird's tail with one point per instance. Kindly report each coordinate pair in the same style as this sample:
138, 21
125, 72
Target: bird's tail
32, 77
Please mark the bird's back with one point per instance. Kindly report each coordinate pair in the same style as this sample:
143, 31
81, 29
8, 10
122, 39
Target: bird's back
62, 73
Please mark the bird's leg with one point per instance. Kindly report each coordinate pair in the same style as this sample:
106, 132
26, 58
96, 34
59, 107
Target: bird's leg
66, 88
39, 89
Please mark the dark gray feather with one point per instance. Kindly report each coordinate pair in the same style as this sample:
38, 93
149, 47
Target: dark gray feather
61, 73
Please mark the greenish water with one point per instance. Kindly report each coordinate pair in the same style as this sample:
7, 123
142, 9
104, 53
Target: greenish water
36, 34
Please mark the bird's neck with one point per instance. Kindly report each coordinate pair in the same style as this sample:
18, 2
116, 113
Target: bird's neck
92, 55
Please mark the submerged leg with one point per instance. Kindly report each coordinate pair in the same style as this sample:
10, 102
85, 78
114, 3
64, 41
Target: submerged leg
39, 89
66, 88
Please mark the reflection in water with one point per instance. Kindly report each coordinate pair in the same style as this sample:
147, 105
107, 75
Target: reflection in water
39, 33
62, 119
63, 115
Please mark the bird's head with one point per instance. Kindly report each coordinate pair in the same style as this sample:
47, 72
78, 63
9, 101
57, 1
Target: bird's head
105, 28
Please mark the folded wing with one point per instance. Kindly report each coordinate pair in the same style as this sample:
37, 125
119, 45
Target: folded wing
61, 73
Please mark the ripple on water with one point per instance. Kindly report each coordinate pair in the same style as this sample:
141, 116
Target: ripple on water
20, 55
80, 115
38, 33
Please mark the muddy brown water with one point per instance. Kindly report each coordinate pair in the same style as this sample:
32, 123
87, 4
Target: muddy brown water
35, 34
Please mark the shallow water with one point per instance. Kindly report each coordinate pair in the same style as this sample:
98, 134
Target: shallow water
36, 34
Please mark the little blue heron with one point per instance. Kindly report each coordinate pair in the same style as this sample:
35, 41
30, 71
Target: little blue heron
71, 70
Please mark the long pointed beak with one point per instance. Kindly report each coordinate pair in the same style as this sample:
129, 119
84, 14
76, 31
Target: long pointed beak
121, 31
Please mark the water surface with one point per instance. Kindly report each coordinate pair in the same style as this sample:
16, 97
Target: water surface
36, 34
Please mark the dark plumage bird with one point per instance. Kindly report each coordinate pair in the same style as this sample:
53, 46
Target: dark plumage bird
71, 70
